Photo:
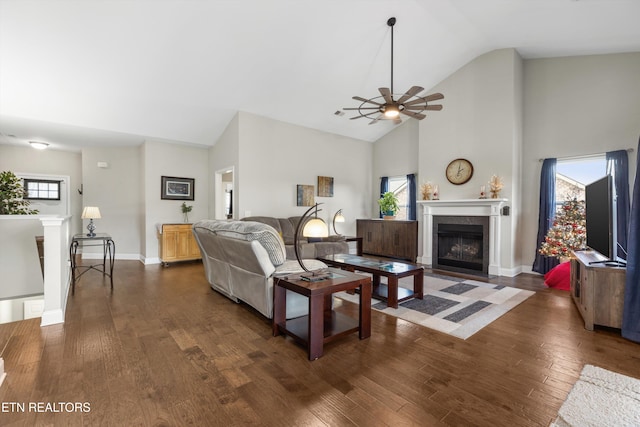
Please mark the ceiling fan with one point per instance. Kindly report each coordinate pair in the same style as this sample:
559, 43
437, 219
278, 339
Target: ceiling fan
389, 107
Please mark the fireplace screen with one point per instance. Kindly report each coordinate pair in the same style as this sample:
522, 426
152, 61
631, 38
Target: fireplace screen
460, 245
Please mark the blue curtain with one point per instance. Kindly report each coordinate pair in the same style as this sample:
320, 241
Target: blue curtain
547, 212
631, 312
618, 168
411, 207
384, 187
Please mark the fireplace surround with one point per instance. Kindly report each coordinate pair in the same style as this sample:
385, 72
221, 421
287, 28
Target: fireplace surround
488, 208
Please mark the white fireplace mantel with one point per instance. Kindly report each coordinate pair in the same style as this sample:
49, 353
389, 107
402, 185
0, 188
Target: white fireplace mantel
491, 208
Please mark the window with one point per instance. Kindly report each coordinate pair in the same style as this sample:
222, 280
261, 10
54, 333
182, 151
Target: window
572, 175
42, 189
398, 185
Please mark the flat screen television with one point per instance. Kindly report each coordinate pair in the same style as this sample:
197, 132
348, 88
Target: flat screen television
600, 217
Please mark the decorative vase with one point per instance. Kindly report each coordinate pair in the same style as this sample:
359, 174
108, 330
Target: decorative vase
495, 194
186, 216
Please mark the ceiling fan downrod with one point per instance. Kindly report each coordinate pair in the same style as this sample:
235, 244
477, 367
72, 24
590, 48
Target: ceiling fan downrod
391, 22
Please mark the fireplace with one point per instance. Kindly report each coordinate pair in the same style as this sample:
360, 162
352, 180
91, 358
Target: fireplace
461, 244
486, 213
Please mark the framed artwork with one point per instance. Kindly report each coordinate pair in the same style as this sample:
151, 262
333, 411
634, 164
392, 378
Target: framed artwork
325, 186
304, 195
173, 188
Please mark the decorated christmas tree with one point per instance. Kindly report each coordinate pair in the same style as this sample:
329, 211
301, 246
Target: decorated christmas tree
567, 232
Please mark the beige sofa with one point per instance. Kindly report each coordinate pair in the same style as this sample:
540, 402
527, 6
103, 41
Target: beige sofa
241, 259
286, 227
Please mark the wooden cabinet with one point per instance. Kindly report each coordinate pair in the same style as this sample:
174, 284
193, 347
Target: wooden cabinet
597, 289
177, 243
389, 238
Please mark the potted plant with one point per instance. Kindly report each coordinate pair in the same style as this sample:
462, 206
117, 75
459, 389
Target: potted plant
12, 196
185, 211
388, 205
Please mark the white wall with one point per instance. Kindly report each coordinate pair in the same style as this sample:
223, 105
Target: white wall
275, 157
20, 272
395, 154
163, 159
481, 121
116, 191
223, 155
575, 106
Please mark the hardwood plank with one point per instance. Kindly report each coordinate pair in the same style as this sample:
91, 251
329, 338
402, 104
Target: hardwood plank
164, 349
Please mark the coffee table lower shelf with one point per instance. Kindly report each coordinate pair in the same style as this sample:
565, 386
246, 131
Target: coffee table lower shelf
338, 326
381, 292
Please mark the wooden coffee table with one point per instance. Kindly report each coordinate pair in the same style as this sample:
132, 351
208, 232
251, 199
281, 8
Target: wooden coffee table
322, 324
389, 268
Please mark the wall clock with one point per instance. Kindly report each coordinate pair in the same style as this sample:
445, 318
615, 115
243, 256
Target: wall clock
459, 171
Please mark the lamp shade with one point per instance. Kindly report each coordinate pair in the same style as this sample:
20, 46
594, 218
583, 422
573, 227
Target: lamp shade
315, 227
91, 212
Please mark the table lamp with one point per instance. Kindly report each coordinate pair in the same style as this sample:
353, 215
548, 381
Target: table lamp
314, 227
91, 213
338, 217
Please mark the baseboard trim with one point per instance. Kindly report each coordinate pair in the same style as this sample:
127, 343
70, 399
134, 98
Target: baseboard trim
52, 317
150, 261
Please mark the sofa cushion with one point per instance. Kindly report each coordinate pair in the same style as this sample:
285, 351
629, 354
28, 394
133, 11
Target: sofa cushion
266, 235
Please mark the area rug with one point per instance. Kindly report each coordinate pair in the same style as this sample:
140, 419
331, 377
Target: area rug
457, 307
601, 398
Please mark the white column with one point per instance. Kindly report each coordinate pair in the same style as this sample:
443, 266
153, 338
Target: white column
427, 237
494, 240
56, 269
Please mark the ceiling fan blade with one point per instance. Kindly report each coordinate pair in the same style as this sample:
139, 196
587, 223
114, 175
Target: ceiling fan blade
356, 117
359, 98
433, 97
361, 108
414, 115
386, 94
411, 92
425, 99
436, 107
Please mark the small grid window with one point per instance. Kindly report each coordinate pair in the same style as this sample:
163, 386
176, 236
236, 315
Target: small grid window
40, 189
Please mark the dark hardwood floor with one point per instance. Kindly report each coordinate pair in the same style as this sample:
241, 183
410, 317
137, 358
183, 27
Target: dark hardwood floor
164, 349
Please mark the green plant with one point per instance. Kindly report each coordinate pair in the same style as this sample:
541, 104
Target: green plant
12, 196
186, 209
388, 203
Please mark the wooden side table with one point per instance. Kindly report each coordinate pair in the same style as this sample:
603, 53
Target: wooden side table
322, 324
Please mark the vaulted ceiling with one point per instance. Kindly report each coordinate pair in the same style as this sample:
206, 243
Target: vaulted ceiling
94, 72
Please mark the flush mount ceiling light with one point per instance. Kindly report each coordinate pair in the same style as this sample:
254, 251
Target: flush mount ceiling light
389, 106
38, 145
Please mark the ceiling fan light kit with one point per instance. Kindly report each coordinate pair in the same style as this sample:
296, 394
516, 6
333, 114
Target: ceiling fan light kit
389, 107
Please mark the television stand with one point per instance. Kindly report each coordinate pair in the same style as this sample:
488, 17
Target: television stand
597, 289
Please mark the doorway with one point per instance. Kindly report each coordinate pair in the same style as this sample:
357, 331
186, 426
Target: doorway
224, 193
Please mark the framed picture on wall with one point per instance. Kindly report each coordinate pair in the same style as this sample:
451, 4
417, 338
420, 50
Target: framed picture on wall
325, 186
304, 195
173, 188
